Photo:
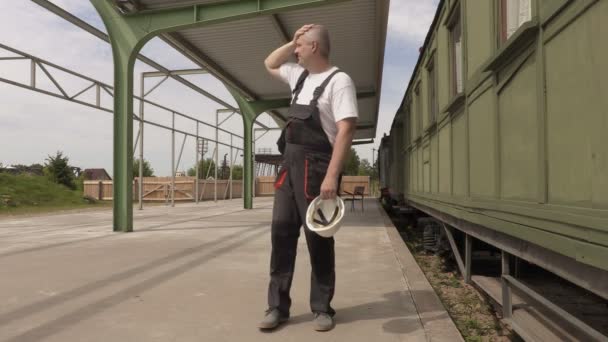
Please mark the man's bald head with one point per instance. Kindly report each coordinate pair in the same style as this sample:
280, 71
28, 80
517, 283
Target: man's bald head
320, 35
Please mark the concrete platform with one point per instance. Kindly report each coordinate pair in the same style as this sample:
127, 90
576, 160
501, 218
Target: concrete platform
200, 273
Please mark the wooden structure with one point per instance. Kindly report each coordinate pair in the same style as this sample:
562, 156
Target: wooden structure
264, 185
158, 189
96, 175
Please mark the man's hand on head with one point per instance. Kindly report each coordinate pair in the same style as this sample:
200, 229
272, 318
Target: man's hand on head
279, 56
301, 31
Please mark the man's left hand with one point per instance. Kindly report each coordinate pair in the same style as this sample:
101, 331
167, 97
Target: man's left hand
329, 188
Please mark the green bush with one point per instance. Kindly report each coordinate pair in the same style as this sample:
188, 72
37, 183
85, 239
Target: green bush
59, 171
148, 170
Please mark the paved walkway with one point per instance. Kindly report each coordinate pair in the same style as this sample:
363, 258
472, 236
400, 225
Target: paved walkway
200, 273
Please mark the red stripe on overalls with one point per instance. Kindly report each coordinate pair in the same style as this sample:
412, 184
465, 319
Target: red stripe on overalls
306, 180
281, 180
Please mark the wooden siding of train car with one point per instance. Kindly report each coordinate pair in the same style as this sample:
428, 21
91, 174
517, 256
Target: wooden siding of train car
526, 153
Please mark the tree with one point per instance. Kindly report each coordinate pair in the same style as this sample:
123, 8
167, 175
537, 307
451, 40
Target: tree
365, 168
204, 167
36, 169
237, 172
148, 170
20, 168
224, 171
59, 171
372, 169
351, 166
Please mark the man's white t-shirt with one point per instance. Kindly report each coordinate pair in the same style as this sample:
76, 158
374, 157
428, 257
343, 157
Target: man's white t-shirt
338, 101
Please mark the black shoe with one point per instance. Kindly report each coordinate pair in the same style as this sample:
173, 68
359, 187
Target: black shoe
272, 319
323, 321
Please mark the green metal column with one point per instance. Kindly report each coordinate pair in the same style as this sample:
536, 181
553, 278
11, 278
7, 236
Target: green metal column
250, 110
123, 140
124, 51
248, 119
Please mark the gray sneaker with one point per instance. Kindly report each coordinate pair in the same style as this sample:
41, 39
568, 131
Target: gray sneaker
323, 321
272, 319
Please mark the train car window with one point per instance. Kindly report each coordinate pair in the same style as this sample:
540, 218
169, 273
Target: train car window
514, 13
432, 76
455, 29
418, 108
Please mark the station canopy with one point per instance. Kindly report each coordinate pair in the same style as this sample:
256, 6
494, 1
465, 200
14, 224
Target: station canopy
234, 51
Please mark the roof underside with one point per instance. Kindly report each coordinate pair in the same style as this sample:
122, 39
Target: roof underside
234, 51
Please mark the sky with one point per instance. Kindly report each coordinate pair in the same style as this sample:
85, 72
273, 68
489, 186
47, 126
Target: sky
34, 126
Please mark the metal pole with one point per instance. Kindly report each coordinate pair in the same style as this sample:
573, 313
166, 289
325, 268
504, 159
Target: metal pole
373, 172
136, 143
181, 151
255, 176
231, 166
216, 156
156, 86
468, 250
173, 160
98, 95
33, 74
208, 171
507, 308
141, 144
228, 181
197, 141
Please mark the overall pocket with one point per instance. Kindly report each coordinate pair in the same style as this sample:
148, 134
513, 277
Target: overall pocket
315, 168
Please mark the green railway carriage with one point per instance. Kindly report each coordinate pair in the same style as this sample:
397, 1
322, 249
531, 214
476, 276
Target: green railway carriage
501, 133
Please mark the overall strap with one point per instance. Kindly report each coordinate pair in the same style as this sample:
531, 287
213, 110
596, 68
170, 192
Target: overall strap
299, 85
321, 88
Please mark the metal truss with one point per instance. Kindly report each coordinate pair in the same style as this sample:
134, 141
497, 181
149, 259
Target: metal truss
98, 85
101, 35
47, 68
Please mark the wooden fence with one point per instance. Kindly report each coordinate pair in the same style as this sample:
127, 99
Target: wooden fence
265, 185
350, 182
159, 188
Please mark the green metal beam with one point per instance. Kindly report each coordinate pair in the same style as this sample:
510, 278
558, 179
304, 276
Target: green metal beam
153, 22
365, 95
363, 142
261, 106
252, 109
128, 34
266, 105
249, 112
124, 51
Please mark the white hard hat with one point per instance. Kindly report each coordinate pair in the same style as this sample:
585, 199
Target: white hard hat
324, 217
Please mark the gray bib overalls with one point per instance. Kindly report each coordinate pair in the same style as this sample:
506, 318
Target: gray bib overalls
307, 152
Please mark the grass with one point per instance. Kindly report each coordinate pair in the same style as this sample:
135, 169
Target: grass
472, 315
26, 194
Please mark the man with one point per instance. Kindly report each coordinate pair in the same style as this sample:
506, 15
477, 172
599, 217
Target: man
314, 144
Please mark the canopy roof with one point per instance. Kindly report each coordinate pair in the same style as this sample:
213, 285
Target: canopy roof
234, 51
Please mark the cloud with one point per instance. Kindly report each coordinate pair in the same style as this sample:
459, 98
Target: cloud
408, 24
409, 20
